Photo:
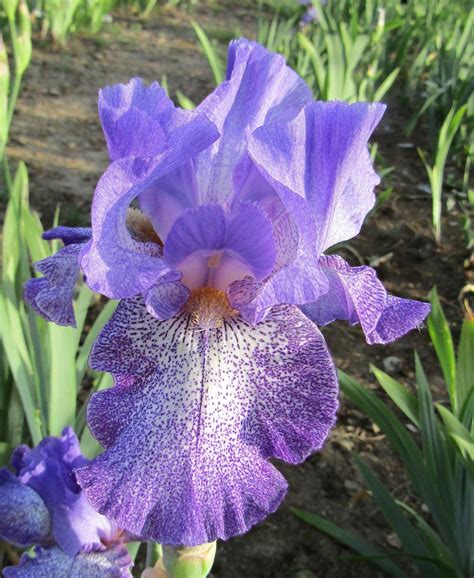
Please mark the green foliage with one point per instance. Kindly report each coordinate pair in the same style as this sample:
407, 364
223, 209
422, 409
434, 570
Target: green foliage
439, 461
43, 365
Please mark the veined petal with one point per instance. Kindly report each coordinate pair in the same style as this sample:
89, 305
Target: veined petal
24, 517
51, 296
48, 470
137, 119
357, 295
295, 279
54, 563
195, 414
321, 156
115, 264
259, 87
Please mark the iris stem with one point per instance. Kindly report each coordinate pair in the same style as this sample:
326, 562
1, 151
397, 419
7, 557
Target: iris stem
154, 553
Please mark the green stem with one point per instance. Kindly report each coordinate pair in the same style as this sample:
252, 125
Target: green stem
153, 554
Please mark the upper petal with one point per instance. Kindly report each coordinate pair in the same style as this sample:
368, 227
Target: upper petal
137, 120
114, 263
321, 156
357, 295
258, 87
48, 470
24, 517
194, 415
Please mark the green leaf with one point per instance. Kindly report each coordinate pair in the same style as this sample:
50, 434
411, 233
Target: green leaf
405, 401
442, 340
211, 53
351, 540
397, 520
465, 362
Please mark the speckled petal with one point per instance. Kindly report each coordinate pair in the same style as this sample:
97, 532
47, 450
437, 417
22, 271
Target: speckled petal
54, 563
115, 264
194, 416
48, 470
321, 157
24, 517
258, 87
165, 298
51, 296
357, 295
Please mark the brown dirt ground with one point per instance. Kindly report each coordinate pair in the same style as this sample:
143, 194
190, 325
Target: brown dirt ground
56, 131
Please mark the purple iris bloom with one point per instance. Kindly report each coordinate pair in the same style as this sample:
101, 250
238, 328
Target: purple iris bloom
212, 227
43, 505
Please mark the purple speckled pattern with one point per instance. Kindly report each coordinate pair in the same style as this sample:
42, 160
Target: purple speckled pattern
51, 295
43, 505
194, 417
54, 563
356, 295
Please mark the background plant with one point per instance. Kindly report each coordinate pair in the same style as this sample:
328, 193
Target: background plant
439, 460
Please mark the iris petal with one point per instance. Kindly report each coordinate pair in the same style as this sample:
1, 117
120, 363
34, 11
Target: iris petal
321, 156
356, 295
24, 517
51, 296
47, 469
194, 416
258, 87
54, 563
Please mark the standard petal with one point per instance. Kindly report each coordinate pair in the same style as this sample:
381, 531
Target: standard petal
51, 296
48, 470
321, 156
24, 517
135, 118
259, 87
54, 563
194, 416
115, 264
356, 295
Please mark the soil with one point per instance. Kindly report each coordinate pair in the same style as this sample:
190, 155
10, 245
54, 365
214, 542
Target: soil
56, 131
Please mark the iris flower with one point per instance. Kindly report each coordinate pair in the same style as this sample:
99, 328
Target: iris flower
212, 227
42, 505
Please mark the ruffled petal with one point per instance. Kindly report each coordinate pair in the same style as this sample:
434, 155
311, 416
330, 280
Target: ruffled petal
356, 295
165, 298
137, 119
321, 156
54, 563
259, 87
194, 415
244, 240
48, 470
24, 517
52, 296
115, 264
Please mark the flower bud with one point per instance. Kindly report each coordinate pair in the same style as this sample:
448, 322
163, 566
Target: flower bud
24, 38
10, 8
194, 562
